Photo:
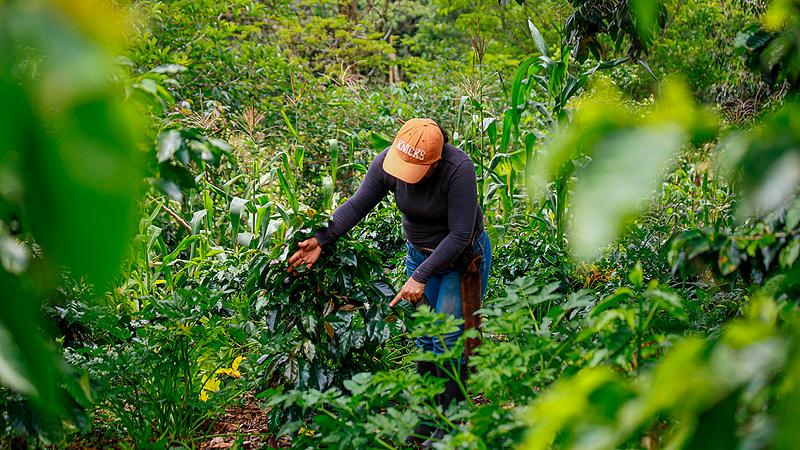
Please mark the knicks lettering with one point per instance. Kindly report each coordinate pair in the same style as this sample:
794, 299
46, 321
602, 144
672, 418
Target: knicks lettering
404, 147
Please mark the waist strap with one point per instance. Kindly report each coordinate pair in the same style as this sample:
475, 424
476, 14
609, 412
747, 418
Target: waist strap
475, 235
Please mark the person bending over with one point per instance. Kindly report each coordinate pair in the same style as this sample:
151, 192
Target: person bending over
449, 253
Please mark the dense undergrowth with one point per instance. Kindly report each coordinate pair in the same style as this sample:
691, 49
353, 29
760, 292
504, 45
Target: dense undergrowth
645, 228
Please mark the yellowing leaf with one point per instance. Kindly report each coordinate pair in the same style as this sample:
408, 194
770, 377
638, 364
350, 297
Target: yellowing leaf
100, 19
236, 362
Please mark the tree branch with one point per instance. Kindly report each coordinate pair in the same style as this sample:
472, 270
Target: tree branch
177, 218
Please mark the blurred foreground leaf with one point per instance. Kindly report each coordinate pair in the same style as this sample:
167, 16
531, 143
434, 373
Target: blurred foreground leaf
618, 157
71, 168
765, 162
693, 391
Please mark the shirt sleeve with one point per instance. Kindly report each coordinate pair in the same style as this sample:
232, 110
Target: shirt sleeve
462, 208
371, 191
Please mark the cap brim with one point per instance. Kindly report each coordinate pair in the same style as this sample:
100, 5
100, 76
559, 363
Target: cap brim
404, 171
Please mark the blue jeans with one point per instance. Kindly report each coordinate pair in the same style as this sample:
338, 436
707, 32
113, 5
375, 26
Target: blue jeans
444, 291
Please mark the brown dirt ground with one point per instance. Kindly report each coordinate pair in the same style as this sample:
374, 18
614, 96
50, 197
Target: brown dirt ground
242, 426
246, 424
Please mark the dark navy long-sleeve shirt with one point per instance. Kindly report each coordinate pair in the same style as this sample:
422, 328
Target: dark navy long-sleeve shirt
440, 212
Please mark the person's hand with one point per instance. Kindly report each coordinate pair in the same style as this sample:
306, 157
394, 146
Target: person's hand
308, 254
411, 291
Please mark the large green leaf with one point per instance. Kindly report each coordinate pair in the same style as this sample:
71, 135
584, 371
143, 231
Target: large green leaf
617, 158
538, 39
379, 141
771, 156
626, 170
82, 180
75, 148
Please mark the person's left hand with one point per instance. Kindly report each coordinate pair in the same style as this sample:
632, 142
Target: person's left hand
411, 291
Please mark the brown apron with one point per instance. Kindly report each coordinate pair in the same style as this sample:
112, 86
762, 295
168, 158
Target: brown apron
471, 299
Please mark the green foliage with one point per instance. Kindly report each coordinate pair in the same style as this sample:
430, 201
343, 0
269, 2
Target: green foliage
176, 149
772, 52
263, 118
378, 409
533, 335
334, 46
599, 27
548, 76
527, 252
23, 418
754, 252
773, 163
335, 315
698, 387
602, 142
374, 410
179, 367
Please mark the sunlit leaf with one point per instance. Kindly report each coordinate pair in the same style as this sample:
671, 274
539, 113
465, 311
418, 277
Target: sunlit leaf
626, 170
541, 45
168, 143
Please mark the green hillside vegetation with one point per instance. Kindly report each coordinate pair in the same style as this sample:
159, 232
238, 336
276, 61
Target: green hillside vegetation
638, 166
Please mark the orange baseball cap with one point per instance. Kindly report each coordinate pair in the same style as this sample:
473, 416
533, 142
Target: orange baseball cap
418, 145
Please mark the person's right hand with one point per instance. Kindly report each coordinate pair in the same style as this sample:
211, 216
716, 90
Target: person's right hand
308, 254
